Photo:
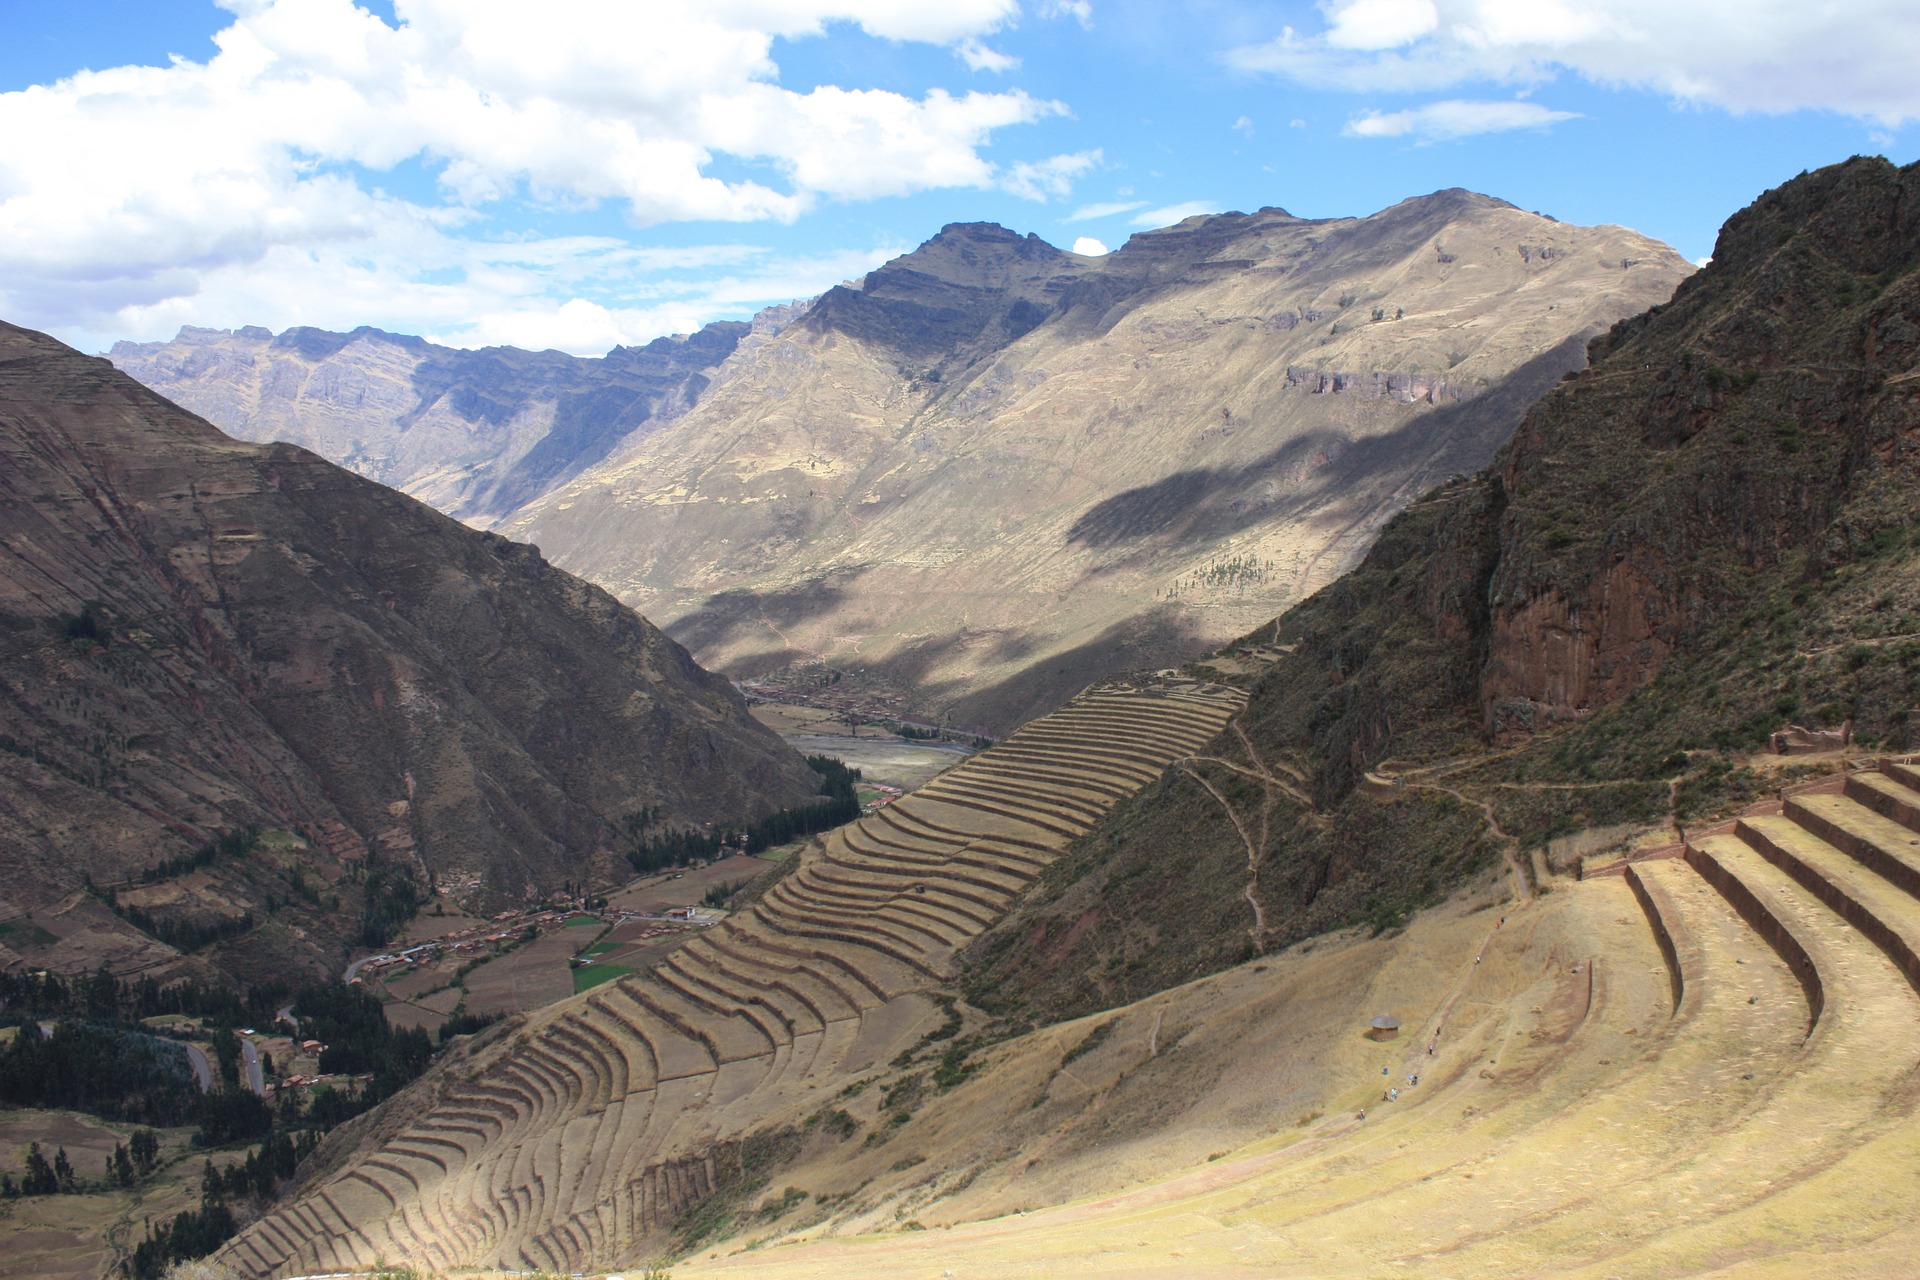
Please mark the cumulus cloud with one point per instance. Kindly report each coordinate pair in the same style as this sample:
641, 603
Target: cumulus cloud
1764, 55
1440, 121
1089, 247
1088, 212
1167, 215
137, 194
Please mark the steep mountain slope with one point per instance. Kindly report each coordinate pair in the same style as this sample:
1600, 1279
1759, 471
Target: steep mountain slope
1706, 535
996, 470
476, 433
199, 636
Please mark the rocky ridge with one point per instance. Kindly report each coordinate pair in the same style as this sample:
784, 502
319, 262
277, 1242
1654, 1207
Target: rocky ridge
476, 433
994, 470
200, 636
1704, 537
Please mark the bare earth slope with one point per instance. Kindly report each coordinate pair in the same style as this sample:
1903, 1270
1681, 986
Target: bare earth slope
199, 635
995, 470
475, 433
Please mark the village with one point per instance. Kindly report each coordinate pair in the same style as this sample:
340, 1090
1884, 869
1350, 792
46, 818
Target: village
508, 927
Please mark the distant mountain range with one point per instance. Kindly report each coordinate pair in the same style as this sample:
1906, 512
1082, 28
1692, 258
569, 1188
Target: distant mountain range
476, 433
991, 471
202, 637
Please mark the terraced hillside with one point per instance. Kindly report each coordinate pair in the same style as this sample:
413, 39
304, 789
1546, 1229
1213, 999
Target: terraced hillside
1701, 1063
579, 1140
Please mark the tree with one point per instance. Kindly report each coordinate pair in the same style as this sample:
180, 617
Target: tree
63, 1170
40, 1179
120, 1168
145, 1149
103, 995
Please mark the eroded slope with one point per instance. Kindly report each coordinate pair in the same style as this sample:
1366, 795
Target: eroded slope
199, 636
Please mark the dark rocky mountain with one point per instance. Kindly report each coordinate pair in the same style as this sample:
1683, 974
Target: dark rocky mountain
476, 433
200, 636
1705, 536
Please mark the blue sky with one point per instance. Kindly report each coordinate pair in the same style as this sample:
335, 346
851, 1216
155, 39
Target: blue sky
585, 172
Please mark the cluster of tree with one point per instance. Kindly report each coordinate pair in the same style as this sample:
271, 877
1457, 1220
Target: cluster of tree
463, 1023
133, 1159
839, 805
232, 1115
89, 626
230, 845
107, 1071
103, 998
183, 934
122, 1072
392, 899
192, 1234
359, 1039
40, 1177
261, 1173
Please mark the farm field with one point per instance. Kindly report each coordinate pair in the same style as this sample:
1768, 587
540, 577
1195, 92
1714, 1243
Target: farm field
79, 1237
532, 975
894, 761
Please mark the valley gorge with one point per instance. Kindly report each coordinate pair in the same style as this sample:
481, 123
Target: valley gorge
1437, 787
993, 471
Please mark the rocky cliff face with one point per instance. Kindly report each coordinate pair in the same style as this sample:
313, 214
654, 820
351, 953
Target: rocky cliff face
200, 636
1704, 536
476, 433
994, 471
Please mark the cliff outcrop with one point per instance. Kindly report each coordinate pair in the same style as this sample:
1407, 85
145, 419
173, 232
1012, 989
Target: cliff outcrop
200, 636
1704, 536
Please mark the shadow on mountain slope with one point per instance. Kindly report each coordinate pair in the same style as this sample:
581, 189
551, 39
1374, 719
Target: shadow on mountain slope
1200, 506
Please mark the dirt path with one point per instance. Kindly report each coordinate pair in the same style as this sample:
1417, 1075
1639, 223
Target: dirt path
1510, 850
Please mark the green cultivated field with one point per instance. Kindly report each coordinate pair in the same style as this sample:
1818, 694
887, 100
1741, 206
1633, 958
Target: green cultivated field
590, 976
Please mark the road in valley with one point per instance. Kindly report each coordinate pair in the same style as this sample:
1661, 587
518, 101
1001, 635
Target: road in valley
202, 1069
250, 1058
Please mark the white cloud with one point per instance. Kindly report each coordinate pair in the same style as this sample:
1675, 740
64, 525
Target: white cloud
1167, 215
1454, 119
1049, 178
979, 57
1244, 125
1381, 24
1856, 58
1080, 11
1089, 247
1088, 212
136, 193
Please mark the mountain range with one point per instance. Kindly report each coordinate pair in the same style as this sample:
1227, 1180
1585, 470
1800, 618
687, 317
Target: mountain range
992, 470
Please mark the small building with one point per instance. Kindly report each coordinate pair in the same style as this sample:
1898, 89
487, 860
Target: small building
1384, 1027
